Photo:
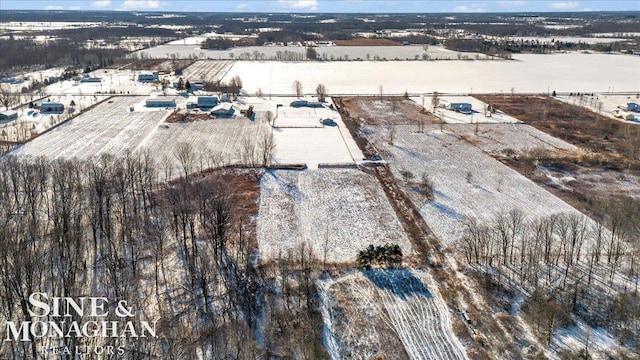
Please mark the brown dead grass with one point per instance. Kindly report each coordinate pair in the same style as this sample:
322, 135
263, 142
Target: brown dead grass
367, 42
609, 167
395, 111
617, 143
181, 117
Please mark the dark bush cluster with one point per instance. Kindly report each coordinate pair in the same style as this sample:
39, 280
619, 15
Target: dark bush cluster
387, 255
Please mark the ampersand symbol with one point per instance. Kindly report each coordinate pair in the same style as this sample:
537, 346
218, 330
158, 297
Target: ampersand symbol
122, 310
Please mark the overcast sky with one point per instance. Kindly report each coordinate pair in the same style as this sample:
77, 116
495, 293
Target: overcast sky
339, 6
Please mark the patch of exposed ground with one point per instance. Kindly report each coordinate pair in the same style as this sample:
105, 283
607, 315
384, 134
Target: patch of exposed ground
388, 111
616, 144
606, 164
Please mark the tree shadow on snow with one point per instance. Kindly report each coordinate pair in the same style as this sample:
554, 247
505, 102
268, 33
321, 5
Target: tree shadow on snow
401, 282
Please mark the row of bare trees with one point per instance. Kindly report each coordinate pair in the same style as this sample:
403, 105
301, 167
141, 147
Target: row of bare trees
182, 253
563, 264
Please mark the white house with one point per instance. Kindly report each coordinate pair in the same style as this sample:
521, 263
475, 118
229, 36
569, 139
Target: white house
623, 114
8, 115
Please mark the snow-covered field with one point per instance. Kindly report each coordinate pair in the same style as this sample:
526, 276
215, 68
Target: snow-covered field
207, 70
214, 142
108, 128
525, 74
495, 138
395, 314
412, 52
467, 182
335, 212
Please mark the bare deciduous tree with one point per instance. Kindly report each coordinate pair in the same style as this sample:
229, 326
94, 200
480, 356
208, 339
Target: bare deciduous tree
321, 90
297, 88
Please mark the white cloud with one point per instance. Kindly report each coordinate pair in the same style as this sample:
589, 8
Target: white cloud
75, 8
299, 4
140, 4
568, 5
470, 8
101, 3
54, 7
512, 4
241, 6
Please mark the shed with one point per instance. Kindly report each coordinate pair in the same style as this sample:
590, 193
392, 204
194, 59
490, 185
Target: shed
148, 77
8, 115
630, 106
161, 102
299, 103
51, 107
464, 108
207, 101
91, 80
224, 109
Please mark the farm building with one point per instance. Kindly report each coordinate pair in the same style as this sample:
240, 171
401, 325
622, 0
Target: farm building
148, 77
161, 102
460, 107
51, 107
91, 80
224, 109
630, 106
207, 101
306, 103
196, 85
8, 115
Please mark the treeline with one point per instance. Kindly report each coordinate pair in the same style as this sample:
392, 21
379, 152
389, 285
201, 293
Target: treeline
564, 266
182, 253
18, 54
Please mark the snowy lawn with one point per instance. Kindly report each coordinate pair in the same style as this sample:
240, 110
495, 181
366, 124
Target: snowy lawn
335, 212
301, 138
396, 314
